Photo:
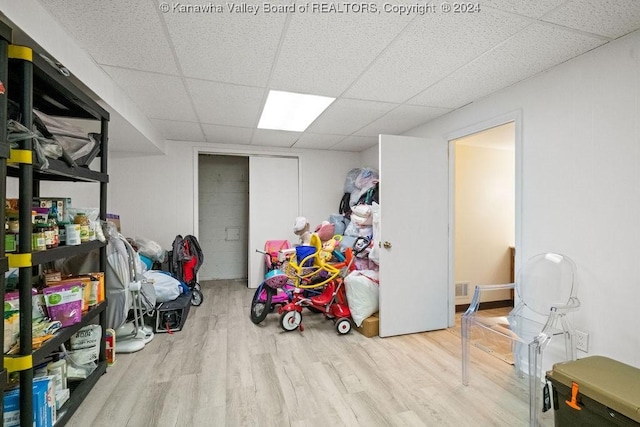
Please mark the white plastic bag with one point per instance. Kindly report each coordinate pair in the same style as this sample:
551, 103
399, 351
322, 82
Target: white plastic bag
167, 287
374, 254
149, 248
362, 294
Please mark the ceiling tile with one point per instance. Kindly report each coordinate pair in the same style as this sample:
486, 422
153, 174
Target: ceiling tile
231, 47
317, 141
346, 116
545, 47
324, 53
402, 119
533, 9
432, 47
179, 131
117, 32
610, 18
227, 134
159, 96
226, 104
274, 138
356, 143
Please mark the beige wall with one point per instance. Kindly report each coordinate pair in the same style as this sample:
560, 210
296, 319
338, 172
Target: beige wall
484, 217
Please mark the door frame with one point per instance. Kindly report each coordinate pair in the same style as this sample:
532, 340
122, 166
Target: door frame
218, 151
512, 116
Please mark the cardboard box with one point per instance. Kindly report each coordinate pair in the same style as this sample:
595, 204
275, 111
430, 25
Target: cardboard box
114, 218
44, 410
370, 326
62, 203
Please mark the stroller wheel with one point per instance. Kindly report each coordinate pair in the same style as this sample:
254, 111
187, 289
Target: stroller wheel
290, 320
343, 326
196, 297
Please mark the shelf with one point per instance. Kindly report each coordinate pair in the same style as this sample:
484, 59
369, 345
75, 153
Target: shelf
59, 171
64, 334
41, 257
79, 393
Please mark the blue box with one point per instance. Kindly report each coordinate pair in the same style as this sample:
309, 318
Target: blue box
44, 404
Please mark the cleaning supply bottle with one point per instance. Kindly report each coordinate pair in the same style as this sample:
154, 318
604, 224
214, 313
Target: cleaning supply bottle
110, 350
58, 370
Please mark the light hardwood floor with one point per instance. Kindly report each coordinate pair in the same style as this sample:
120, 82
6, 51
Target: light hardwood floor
222, 370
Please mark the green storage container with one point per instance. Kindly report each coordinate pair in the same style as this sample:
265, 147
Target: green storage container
608, 392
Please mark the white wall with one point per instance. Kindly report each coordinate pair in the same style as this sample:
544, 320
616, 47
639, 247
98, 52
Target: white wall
484, 217
580, 181
370, 158
154, 195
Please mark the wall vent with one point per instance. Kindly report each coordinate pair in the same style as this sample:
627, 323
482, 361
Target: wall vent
462, 289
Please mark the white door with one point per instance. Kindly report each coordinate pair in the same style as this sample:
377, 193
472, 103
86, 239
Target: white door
273, 206
414, 222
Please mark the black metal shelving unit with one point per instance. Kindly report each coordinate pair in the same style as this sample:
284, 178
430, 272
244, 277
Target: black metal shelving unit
34, 83
5, 39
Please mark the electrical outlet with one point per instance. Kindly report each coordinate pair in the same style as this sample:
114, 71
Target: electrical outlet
582, 341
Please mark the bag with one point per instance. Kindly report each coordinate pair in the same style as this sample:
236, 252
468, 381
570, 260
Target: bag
344, 208
339, 222
167, 288
362, 294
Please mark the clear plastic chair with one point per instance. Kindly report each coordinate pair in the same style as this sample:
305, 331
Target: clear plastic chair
546, 291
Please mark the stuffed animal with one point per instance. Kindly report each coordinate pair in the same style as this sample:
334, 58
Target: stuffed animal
329, 246
301, 228
325, 231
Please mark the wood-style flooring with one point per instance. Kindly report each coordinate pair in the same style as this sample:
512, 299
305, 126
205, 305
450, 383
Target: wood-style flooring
222, 370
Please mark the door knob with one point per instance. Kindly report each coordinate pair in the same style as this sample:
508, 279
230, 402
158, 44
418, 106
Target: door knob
387, 245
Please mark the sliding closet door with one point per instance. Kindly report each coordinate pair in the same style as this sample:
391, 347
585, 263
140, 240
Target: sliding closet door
273, 206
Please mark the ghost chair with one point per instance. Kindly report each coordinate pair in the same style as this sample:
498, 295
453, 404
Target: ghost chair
546, 291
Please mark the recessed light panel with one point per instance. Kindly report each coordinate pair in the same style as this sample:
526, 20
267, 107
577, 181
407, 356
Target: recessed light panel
292, 111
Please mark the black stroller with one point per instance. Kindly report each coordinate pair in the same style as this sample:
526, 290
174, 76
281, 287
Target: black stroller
185, 259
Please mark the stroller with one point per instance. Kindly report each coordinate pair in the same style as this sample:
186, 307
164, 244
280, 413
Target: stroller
185, 259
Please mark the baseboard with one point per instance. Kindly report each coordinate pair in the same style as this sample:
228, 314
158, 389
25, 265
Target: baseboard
486, 305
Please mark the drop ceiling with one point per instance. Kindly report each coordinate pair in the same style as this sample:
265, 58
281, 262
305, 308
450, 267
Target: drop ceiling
204, 77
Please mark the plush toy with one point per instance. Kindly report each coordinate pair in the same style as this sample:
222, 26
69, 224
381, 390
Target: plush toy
329, 246
301, 229
325, 231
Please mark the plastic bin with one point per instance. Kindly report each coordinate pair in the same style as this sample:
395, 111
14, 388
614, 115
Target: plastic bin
172, 315
608, 393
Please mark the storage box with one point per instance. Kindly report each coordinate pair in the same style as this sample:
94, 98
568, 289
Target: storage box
171, 315
608, 393
61, 203
44, 409
370, 326
114, 218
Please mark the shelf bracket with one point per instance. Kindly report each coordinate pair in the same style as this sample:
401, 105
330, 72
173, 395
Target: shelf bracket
19, 260
21, 156
18, 363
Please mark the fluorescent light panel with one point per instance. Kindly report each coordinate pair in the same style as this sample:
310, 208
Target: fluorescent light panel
292, 111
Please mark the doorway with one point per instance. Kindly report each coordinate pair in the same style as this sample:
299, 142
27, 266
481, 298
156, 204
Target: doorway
484, 213
243, 199
223, 215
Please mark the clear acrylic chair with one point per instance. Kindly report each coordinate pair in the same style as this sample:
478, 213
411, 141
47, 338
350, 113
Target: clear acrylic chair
546, 291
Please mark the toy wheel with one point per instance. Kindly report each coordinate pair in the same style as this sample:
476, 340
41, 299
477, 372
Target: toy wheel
261, 307
290, 320
196, 297
343, 326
